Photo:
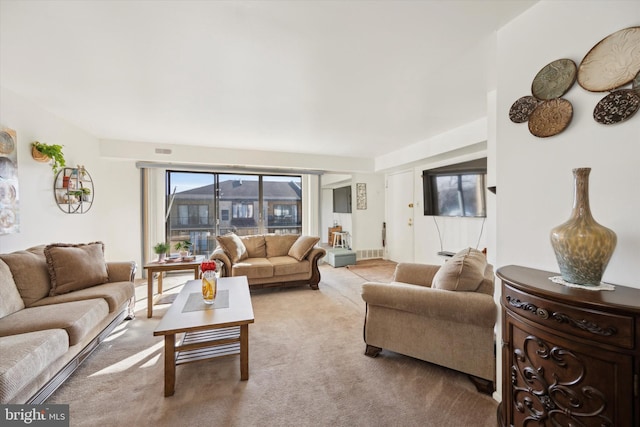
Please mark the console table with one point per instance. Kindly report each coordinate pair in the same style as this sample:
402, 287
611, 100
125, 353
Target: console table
569, 356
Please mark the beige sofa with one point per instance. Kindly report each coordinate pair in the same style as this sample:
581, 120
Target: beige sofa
270, 259
443, 315
57, 303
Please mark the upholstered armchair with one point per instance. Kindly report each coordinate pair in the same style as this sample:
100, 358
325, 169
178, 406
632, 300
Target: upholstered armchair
443, 315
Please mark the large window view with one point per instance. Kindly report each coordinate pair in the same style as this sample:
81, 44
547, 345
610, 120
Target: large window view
202, 205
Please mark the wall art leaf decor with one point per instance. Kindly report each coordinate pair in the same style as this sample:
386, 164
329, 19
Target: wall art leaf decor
9, 208
611, 63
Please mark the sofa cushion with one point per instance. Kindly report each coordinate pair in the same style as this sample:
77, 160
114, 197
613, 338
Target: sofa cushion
302, 246
463, 272
77, 318
75, 266
286, 265
30, 273
116, 294
10, 300
253, 268
232, 245
26, 356
279, 244
255, 245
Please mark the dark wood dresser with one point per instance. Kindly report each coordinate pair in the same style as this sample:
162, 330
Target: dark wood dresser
570, 357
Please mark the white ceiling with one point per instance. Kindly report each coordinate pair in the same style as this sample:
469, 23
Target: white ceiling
354, 78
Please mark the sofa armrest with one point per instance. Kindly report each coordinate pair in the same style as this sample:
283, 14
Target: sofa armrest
219, 255
316, 253
415, 274
462, 307
121, 271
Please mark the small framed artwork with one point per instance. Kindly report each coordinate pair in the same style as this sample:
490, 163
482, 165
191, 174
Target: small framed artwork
361, 196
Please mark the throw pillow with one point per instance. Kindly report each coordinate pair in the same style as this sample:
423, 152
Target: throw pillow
256, 246
30, 273
463, 272
10, 300
279, 244
75, 266
232, 245
302, 247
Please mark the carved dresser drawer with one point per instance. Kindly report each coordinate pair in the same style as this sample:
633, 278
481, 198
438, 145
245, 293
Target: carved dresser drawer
572, 320
570, 357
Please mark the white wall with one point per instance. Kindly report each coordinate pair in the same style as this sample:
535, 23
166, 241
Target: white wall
367, 223
462, 144
114, 216
364, 225
329, 218
533, 176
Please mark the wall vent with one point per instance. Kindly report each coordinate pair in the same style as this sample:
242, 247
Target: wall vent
369, 253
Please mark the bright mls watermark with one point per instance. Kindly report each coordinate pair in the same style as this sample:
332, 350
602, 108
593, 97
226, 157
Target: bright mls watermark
34, 415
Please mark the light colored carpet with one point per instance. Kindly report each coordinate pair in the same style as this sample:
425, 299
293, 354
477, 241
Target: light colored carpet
307, 368
374, 270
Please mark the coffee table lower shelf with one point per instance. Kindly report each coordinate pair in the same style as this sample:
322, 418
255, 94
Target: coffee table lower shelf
202, 345
206, 334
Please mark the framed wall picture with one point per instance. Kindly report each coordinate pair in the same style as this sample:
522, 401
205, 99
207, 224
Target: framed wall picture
361, 196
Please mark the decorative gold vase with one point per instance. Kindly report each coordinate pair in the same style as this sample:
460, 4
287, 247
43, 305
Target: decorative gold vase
583, 247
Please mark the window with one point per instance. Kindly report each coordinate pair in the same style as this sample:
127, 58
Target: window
203, 205
242, 210
183, 215
193, 215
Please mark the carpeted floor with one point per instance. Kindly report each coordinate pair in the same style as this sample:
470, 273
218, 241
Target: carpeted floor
307, 368
374, 270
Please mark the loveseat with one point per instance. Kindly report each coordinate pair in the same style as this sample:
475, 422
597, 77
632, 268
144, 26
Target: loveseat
57, 303
441, 314
270, 259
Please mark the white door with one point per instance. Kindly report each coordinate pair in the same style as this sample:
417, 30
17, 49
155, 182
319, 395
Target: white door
399, 235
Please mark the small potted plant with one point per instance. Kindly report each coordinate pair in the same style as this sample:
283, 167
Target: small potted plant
161, 250
75, 196
183, 247
85, 193
48, 152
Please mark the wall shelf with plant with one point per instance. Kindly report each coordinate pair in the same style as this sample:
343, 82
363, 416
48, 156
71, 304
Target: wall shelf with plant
73, 190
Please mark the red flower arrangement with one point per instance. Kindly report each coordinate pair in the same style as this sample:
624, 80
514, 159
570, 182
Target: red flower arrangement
208, 266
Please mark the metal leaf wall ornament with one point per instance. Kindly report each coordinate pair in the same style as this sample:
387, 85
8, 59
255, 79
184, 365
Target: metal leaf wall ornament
546, 111
611, 64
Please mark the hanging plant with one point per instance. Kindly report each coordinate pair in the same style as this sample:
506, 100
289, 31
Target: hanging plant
45, 152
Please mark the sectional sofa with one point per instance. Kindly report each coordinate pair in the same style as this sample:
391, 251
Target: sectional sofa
57, 303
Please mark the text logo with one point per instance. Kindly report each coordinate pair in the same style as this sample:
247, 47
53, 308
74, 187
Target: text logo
34, 415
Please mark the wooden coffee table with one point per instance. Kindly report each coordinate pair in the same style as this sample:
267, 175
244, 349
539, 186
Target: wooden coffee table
208, 333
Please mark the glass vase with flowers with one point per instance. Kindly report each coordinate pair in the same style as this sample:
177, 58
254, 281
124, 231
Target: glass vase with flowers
209, 281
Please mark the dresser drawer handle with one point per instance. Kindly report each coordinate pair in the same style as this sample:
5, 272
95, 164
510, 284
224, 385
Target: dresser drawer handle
541, 312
